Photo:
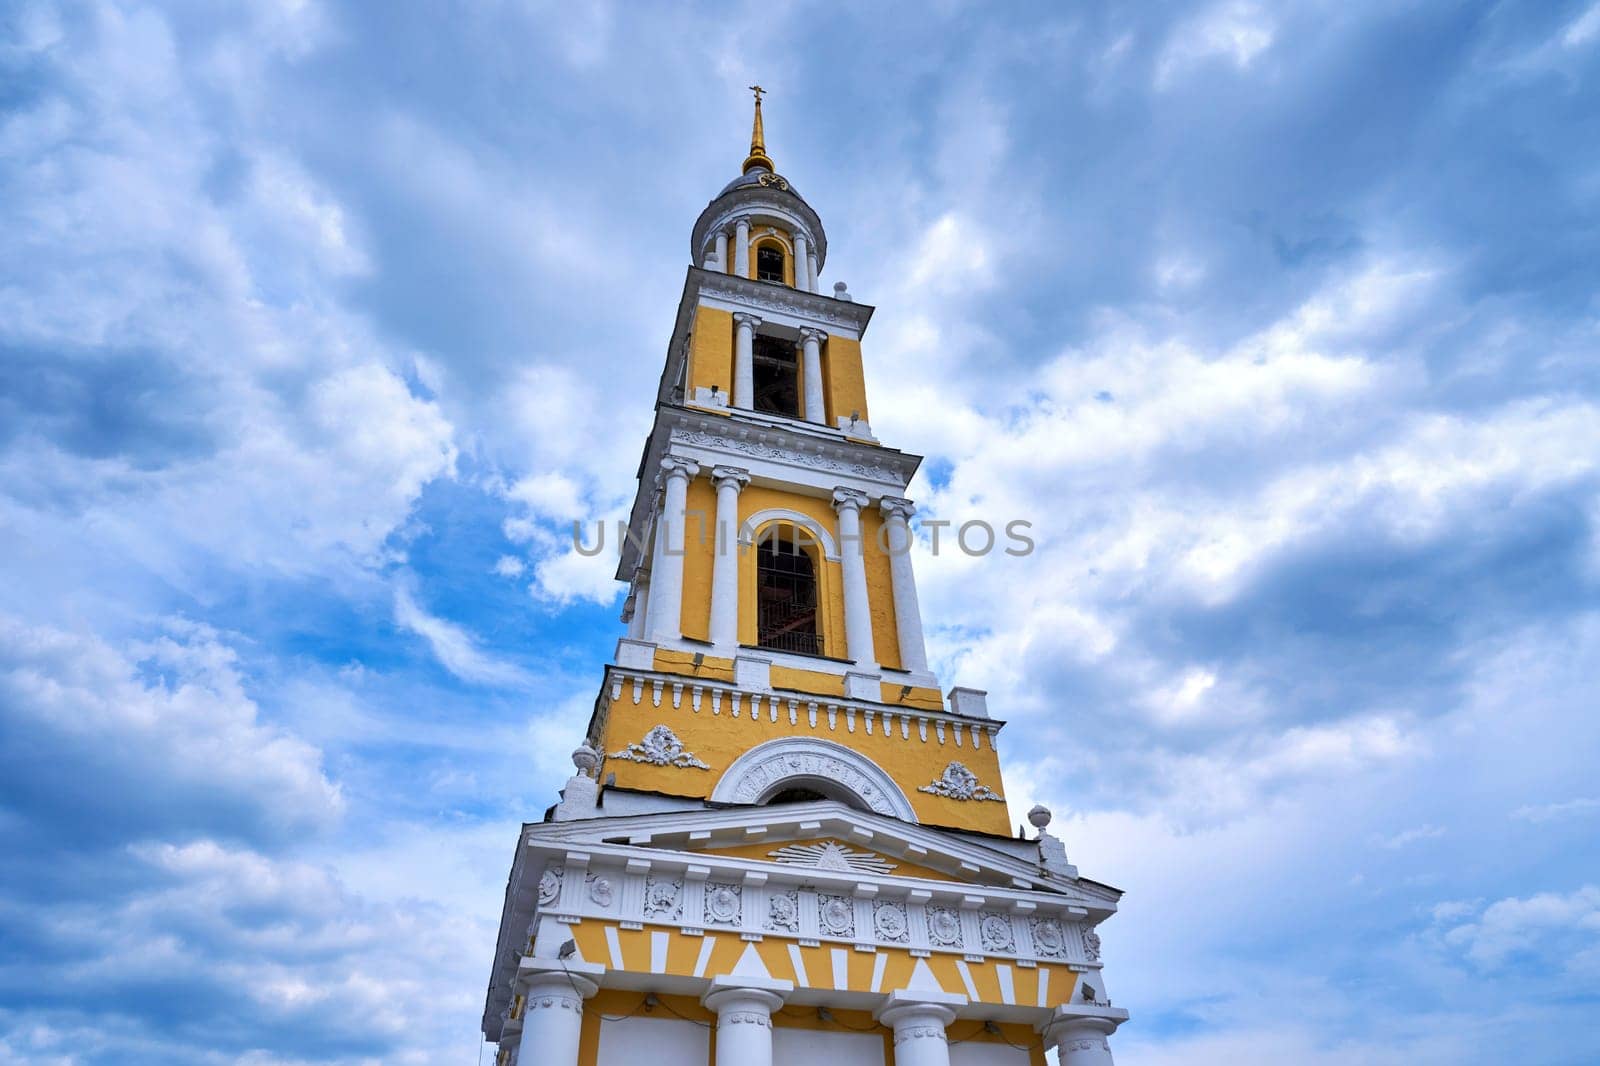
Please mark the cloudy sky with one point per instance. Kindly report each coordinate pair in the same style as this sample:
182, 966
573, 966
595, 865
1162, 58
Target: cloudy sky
1280, 323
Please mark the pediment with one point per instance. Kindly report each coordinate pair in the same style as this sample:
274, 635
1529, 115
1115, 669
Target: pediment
831, 838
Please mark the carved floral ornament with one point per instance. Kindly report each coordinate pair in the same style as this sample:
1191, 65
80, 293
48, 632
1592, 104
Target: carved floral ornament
959, 783
661, 747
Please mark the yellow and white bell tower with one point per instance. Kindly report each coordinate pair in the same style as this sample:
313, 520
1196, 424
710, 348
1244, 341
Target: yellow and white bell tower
783, 843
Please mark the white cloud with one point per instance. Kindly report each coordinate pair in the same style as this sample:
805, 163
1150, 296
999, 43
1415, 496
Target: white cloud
455, 648
1579, 807
1564, 926
1235, 31
165, 729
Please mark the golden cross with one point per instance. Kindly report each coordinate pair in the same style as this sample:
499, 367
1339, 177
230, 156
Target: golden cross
758, 90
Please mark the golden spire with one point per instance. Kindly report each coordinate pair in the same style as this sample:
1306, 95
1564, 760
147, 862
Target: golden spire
758, 147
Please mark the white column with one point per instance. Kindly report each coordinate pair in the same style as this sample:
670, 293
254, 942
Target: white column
722, 250
918, 1024
811, 369
1082, 1041
744, 336
666, 571
729, 481
811, 270
801, 280
744, 1018
907, 612
857, 611
553, 1012
741, 248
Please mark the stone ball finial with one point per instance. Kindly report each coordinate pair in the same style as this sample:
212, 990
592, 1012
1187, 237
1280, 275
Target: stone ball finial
586, 759
1039, 817
840, 291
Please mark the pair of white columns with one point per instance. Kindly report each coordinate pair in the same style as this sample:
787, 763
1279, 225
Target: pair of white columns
744, 337
664, 602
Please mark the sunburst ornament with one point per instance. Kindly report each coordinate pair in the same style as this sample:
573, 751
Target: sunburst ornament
831, 855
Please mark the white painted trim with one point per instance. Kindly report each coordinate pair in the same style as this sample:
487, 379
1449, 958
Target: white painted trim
748, 530
748, 778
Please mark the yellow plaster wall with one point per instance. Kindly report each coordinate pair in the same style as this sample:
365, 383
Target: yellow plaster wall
711, 350
700, 533
682, 662
880, 590
843, 380
717, 739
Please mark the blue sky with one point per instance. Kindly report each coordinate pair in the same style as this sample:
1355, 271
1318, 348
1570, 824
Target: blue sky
318, 324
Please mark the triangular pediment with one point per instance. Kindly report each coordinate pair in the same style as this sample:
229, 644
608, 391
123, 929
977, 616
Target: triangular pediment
831, 837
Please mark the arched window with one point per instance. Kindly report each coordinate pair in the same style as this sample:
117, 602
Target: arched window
786, 592
769, 263
775, 374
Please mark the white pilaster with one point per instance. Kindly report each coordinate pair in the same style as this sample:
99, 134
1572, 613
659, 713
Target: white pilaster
907, 612
744, 338
857, 611
666, 571
801, 279
811, 270
722, 251
918, 1020
729, 481
741, 248
744, 1007
811, 370
554, 991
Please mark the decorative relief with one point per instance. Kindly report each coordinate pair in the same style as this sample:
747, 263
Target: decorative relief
959, 783
722, 903
755, 779
944, 927
661, 747
776, 181
744, 1017
889, 922
1048, 938
557, 1002
920, 1032
836, 915
600, 890
550, 886
996, 932
831, 855
663, 899
783, 912
1091, 945
1086, 1045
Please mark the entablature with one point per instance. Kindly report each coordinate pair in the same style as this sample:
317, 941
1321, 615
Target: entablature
774, 450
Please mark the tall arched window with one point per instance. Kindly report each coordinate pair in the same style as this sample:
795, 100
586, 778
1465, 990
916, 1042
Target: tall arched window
769, 263
775, 373
787, 617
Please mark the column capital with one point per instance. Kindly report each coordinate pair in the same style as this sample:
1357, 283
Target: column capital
735, 475
677, 466
849, 500
897, 507
547, 983
812, 333
729, 995
745, 318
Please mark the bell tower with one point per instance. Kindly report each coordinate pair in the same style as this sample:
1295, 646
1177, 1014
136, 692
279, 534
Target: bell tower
776, 807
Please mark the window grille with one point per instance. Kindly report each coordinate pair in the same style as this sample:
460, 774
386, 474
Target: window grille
769, 264
786, 597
